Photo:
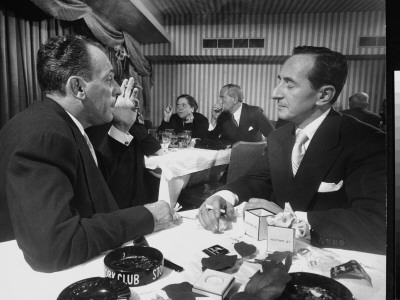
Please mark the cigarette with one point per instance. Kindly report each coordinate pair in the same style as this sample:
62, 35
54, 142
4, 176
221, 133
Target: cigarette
208, 206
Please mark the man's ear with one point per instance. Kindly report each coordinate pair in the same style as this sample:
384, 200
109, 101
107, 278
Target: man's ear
77, 86
326, 94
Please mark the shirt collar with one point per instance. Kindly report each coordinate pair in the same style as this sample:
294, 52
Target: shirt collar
77, 123
238, 113
311, 128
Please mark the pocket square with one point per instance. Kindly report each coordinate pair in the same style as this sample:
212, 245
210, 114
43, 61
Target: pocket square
327, 187
250, 128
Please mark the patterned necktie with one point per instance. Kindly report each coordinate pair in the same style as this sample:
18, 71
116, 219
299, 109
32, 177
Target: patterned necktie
298, 150
234, 121
90, 148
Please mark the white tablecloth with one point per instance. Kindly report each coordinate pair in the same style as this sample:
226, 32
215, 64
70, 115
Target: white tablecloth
177, 165
182, 244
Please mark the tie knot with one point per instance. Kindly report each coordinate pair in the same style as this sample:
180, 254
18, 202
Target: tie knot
301, 137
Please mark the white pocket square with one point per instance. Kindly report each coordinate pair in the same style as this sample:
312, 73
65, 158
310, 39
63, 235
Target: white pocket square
327, 187
250, 128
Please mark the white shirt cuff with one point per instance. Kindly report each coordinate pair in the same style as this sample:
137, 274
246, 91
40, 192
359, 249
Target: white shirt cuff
228, 196
123, 138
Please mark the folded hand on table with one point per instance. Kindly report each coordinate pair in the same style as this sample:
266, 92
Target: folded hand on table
162, 214
210, 212
263, 203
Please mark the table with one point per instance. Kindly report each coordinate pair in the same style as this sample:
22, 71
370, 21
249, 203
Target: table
178, 165
177, 243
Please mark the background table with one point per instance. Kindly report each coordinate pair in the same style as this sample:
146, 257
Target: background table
177, 166
181, 243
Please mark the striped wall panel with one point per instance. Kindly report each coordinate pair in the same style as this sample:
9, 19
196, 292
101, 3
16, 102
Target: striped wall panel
203, 81
338, 31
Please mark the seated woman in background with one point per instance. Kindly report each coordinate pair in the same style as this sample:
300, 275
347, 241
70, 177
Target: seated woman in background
185, 118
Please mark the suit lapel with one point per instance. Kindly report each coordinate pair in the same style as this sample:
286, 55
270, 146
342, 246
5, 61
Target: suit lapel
320, 155
94, 179
280, 145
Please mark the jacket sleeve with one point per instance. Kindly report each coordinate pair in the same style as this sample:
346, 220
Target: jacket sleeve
263, 124
361, 226
46, 193
201, 127
148, 144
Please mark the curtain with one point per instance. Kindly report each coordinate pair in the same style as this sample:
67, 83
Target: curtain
109, 35
20, 40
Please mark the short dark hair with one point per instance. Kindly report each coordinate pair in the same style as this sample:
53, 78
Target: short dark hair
330, 67
234, 90
192, 102
61, 57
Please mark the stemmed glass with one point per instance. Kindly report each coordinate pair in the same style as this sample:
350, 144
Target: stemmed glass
166, 140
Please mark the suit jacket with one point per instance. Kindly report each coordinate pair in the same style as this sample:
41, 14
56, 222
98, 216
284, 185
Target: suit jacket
342, 150
53, 199
127, 181
364, 116
252, 124
199, 126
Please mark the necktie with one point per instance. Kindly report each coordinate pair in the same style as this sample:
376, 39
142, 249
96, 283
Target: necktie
90, 148
234, 121
298, 150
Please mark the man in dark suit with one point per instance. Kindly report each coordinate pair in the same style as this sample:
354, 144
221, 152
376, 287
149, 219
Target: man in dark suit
234, 121
53, 196
330, 167
358, 109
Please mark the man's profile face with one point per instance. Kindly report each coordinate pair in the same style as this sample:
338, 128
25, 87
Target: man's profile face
294, 93
102, 90
227, 101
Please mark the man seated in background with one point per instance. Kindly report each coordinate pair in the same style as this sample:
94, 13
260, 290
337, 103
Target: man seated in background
54, 199
358, 104
330, 167
234, 121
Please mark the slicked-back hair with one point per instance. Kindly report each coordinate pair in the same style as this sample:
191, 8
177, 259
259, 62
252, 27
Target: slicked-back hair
61, 57
192, 102
234, 90
330, 67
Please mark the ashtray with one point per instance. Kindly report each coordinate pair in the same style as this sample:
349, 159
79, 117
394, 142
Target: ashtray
96, 288
134, 265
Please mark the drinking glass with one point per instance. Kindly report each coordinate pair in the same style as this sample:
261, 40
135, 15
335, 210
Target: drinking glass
166, 140
182, 139
174, 140
188, 135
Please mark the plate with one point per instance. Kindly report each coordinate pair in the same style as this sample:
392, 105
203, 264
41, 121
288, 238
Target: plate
96, 288
308, 284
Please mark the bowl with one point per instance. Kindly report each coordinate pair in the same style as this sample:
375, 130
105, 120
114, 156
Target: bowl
134, 265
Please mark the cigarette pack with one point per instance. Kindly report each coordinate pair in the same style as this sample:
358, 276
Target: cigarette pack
214, 284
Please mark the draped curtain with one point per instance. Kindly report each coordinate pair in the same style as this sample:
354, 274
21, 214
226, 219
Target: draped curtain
21, 38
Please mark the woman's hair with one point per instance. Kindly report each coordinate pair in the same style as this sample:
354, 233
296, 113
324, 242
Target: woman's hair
192, 102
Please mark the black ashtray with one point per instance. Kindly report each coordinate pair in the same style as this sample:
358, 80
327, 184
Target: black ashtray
134, 265
96, 288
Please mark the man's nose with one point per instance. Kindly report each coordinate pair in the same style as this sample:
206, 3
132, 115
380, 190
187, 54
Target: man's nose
117, 89
277, 93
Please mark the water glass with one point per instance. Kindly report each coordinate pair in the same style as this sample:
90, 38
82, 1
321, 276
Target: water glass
165, 140
188, 135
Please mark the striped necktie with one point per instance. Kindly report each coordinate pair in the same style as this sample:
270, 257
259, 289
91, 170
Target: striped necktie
298, 150
90, 148
234, 121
